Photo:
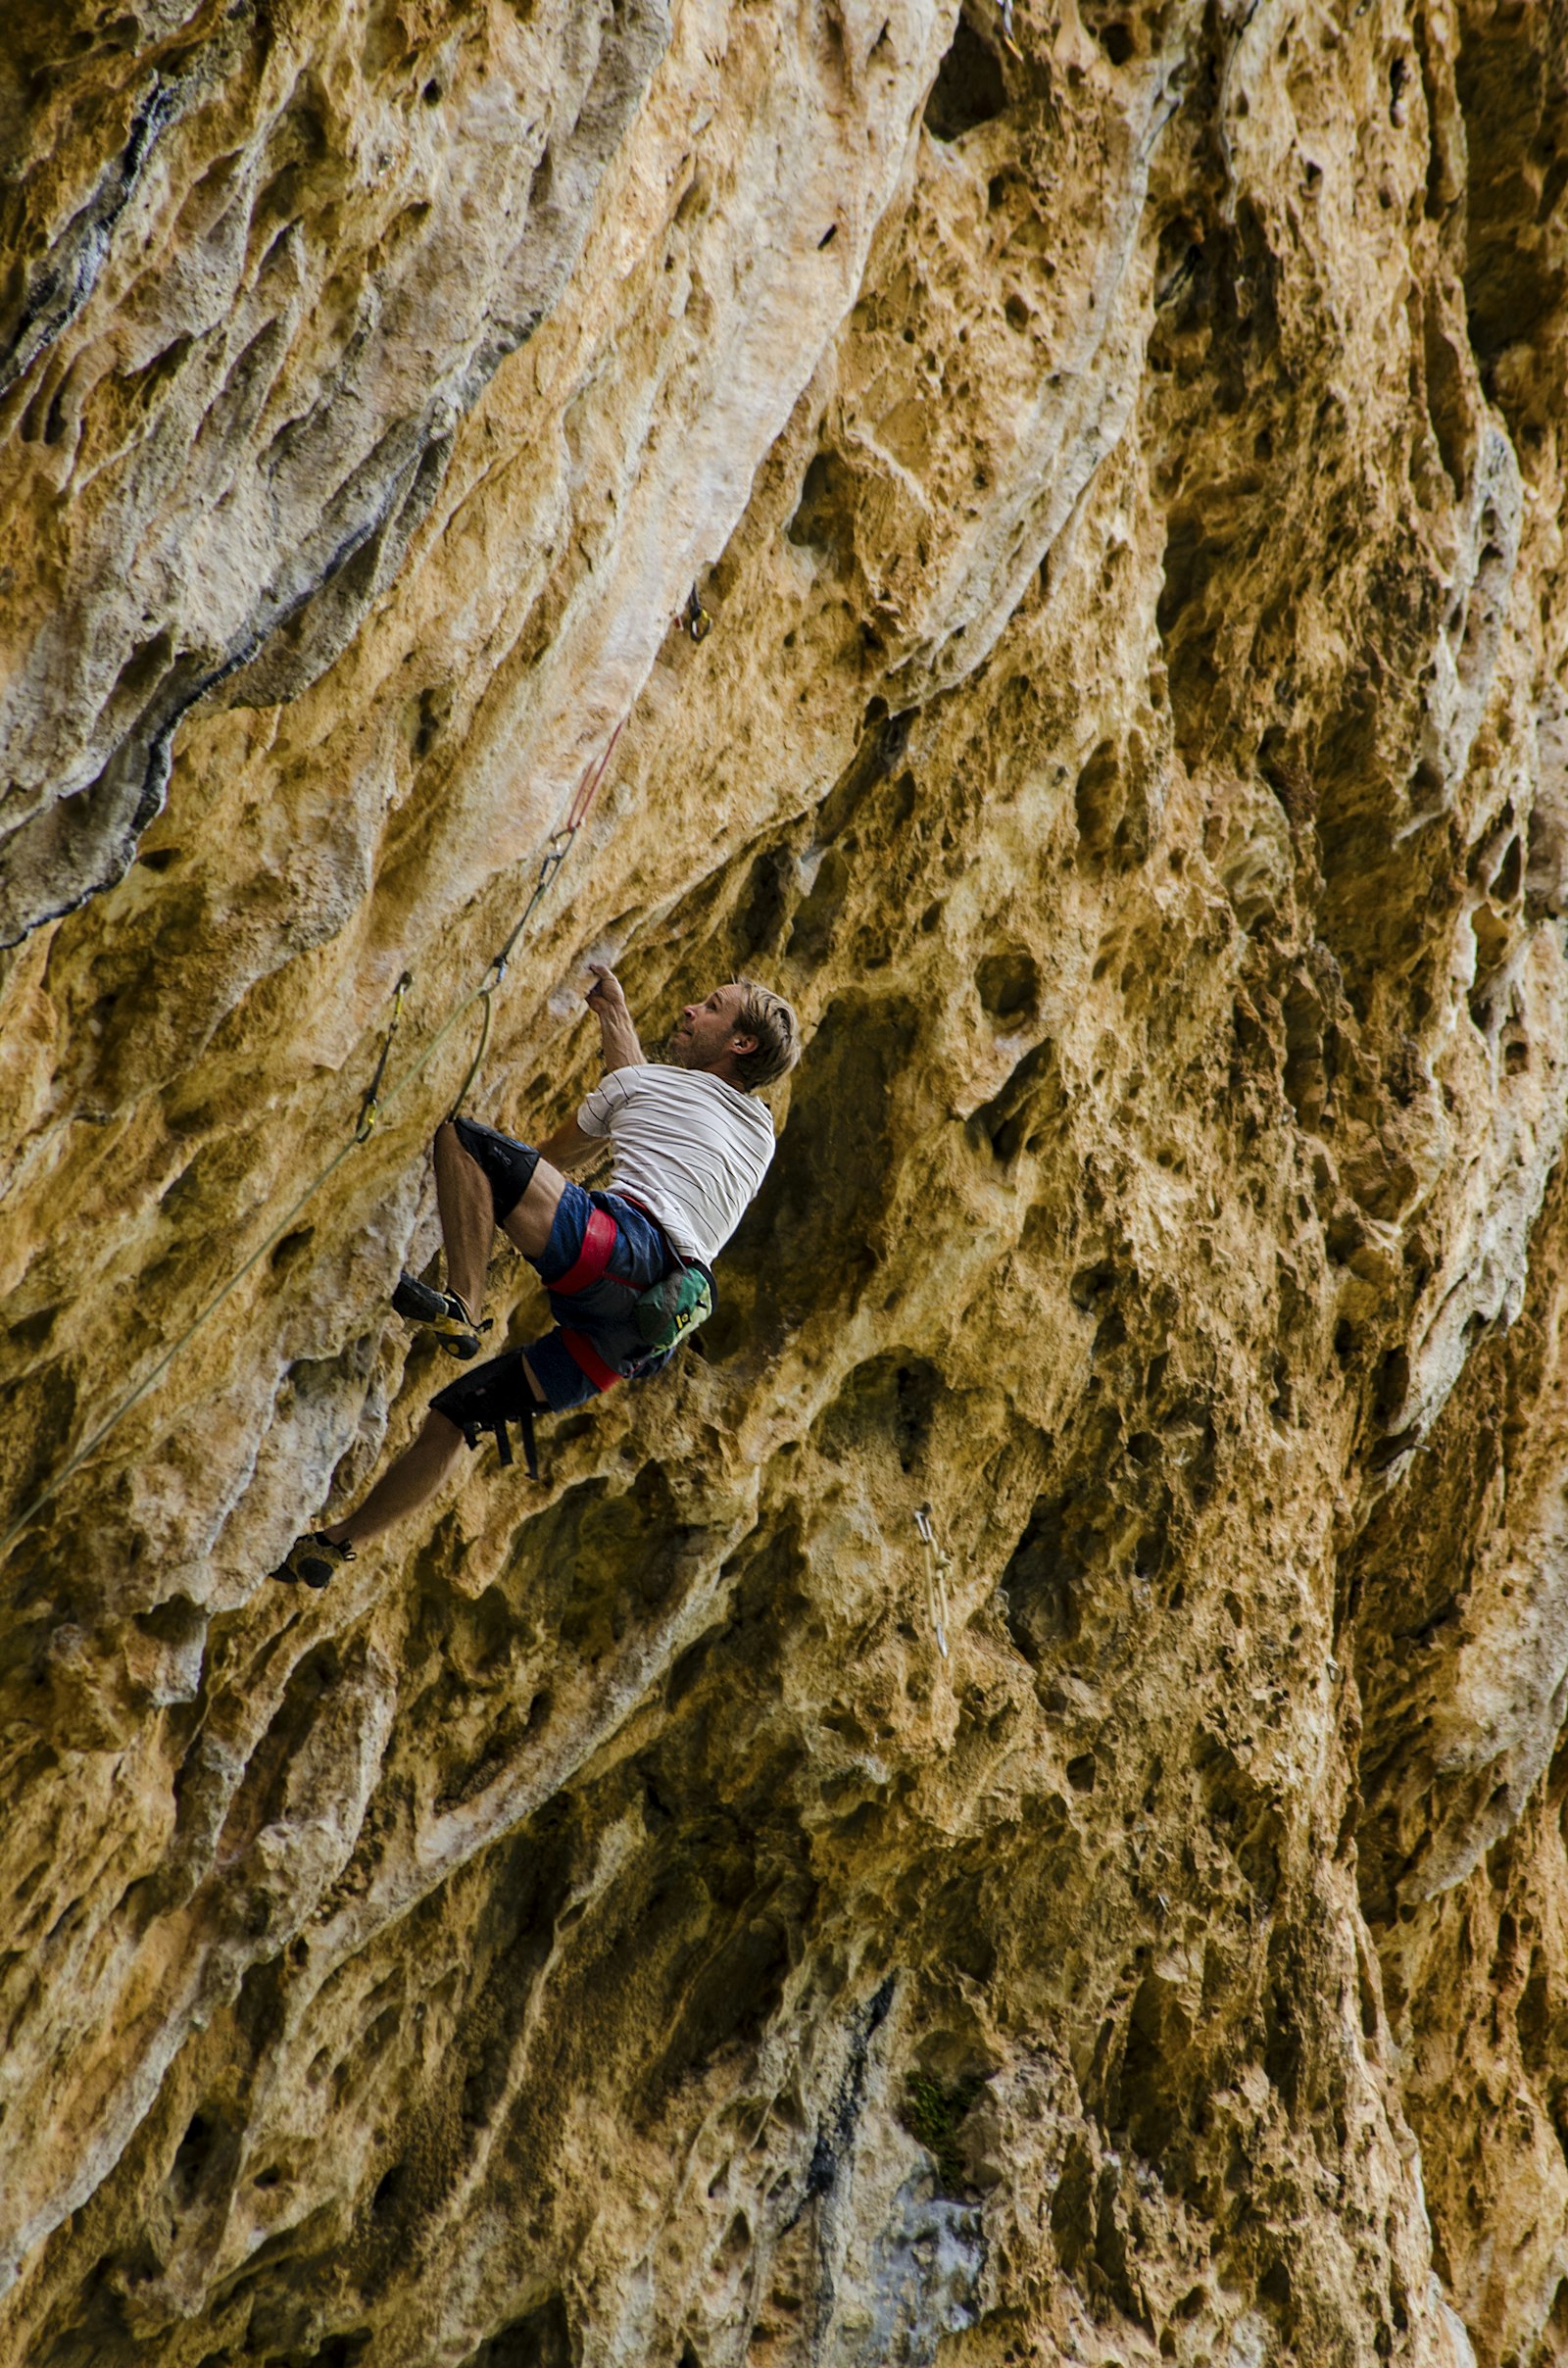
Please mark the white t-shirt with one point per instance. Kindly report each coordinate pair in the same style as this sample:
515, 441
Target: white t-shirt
692, 1149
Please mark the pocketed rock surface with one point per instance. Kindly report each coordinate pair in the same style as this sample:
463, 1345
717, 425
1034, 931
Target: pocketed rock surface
1123, 464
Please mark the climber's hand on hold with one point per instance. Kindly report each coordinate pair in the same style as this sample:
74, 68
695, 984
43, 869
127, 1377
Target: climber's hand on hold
607, 992
608, 1003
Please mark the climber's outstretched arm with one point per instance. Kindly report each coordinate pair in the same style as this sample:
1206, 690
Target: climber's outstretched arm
607, 1003
568, 1147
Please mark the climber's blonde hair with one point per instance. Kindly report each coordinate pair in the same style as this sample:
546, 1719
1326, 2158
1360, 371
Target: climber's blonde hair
771, 1020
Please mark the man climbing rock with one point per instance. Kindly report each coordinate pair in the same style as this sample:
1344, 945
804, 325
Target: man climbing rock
626, 1270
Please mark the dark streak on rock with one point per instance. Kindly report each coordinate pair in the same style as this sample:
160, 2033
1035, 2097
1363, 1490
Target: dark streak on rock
835, 2136
61, 284
87, 841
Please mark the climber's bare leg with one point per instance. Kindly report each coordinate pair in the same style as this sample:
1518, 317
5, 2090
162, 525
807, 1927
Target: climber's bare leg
529, 1223
413, 1480
467, 1207
405, 1485
467, 1210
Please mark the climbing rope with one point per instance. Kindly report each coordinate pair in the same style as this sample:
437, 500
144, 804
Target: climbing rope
558, 846
938, 1564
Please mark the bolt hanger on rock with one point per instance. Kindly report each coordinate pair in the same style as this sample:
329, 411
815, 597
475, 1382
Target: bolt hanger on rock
938, 1564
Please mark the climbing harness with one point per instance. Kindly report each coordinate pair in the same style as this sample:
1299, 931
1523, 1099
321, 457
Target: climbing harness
695, 618
938, 1564
666, 1311
558, 846
663, 1313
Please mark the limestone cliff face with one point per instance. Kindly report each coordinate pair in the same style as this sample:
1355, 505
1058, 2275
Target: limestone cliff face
1124, 458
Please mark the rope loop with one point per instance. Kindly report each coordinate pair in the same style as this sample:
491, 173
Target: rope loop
486, 992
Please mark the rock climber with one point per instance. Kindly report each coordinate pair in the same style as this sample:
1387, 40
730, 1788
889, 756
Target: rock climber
626, 1270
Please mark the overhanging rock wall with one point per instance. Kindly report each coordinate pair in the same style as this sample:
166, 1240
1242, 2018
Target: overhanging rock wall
1124, 465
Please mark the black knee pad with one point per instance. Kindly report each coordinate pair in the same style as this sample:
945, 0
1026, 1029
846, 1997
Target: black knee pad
487, 1399
508, 1166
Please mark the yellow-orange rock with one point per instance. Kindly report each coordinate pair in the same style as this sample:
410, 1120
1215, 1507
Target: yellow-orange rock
1121, 451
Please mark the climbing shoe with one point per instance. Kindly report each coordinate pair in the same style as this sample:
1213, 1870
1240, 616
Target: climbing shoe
311, 1560
417, 1304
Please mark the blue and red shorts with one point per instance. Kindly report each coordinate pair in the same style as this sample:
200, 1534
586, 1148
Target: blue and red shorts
604, 1250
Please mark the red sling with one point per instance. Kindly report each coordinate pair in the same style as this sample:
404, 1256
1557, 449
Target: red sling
597, 1242
586, 1357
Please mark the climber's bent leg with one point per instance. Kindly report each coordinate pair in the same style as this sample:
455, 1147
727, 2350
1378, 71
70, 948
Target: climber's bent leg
504, 1389
524, 1190
480, 1176
405, 1485
529, 1223
466, 1199
507, 1164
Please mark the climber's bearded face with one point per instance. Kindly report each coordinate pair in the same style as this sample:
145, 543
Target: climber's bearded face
706, 1031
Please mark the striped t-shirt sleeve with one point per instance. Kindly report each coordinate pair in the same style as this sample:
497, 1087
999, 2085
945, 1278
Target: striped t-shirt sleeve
610, 1095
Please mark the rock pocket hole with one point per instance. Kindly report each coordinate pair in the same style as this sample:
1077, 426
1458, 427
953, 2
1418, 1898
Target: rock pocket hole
1098, 797
824, 514
33, 1330
197, 2158
1091, 1284
339, 2350
1148, 1554
932, 2113
1009, 986
968, 89
1399, 75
